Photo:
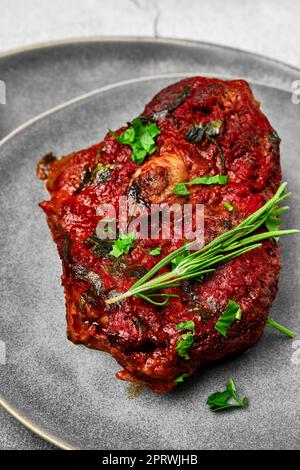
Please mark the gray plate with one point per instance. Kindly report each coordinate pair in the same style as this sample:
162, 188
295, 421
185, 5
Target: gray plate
68, 394
40, 78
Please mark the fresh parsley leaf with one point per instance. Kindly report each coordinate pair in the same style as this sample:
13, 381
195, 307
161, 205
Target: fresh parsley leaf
231, 313
122, 245
155, 251
141, 139
184, 344
217, 179
181, 188
282, 329
272, 223
181, 378
228, 206
127, 136
186, 325
179, 258
226, 400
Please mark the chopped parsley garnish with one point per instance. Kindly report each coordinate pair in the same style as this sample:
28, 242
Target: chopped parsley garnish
231, 313
180, 257
226, 400
181, 378
273, 221
186, 325
282, 329
184, 344
141, 139
155, 251
181, 188
228, 206
186, 341
122, 245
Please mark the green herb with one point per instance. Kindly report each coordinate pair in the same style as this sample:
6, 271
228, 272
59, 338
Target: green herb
181, 188
184, 344
186, 325
274, 141
99, 247
229, 245
101, 172
228, 206
175, 262
231, 313
164, 112
155, 251
65, 249
272, 222
141, 139
122, 245
208, 180
227, 400
186, 341
210, 130
181, 378
281, 328
90, 277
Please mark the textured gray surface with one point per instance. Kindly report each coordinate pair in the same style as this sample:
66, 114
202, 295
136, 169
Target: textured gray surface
71, 391
265, 26
40, 79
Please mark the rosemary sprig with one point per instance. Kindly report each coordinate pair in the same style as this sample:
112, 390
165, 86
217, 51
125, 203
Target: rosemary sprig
226, 247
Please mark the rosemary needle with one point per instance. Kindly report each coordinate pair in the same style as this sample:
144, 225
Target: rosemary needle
225, 247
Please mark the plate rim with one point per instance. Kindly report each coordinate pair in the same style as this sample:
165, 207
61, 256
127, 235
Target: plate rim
40, 46
48, 437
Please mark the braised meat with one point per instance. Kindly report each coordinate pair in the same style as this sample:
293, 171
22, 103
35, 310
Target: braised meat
141, 336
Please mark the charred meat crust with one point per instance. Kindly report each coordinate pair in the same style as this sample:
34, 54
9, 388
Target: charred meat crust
141, 336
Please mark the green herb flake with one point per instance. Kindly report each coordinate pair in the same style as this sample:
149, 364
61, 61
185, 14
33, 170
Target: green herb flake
180, 257
282, 329
185, 344
231, 313
141, 139
228, 206
227, 400
181, 378
208, 180
155, 251
122, 245
181, 188
186, 325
